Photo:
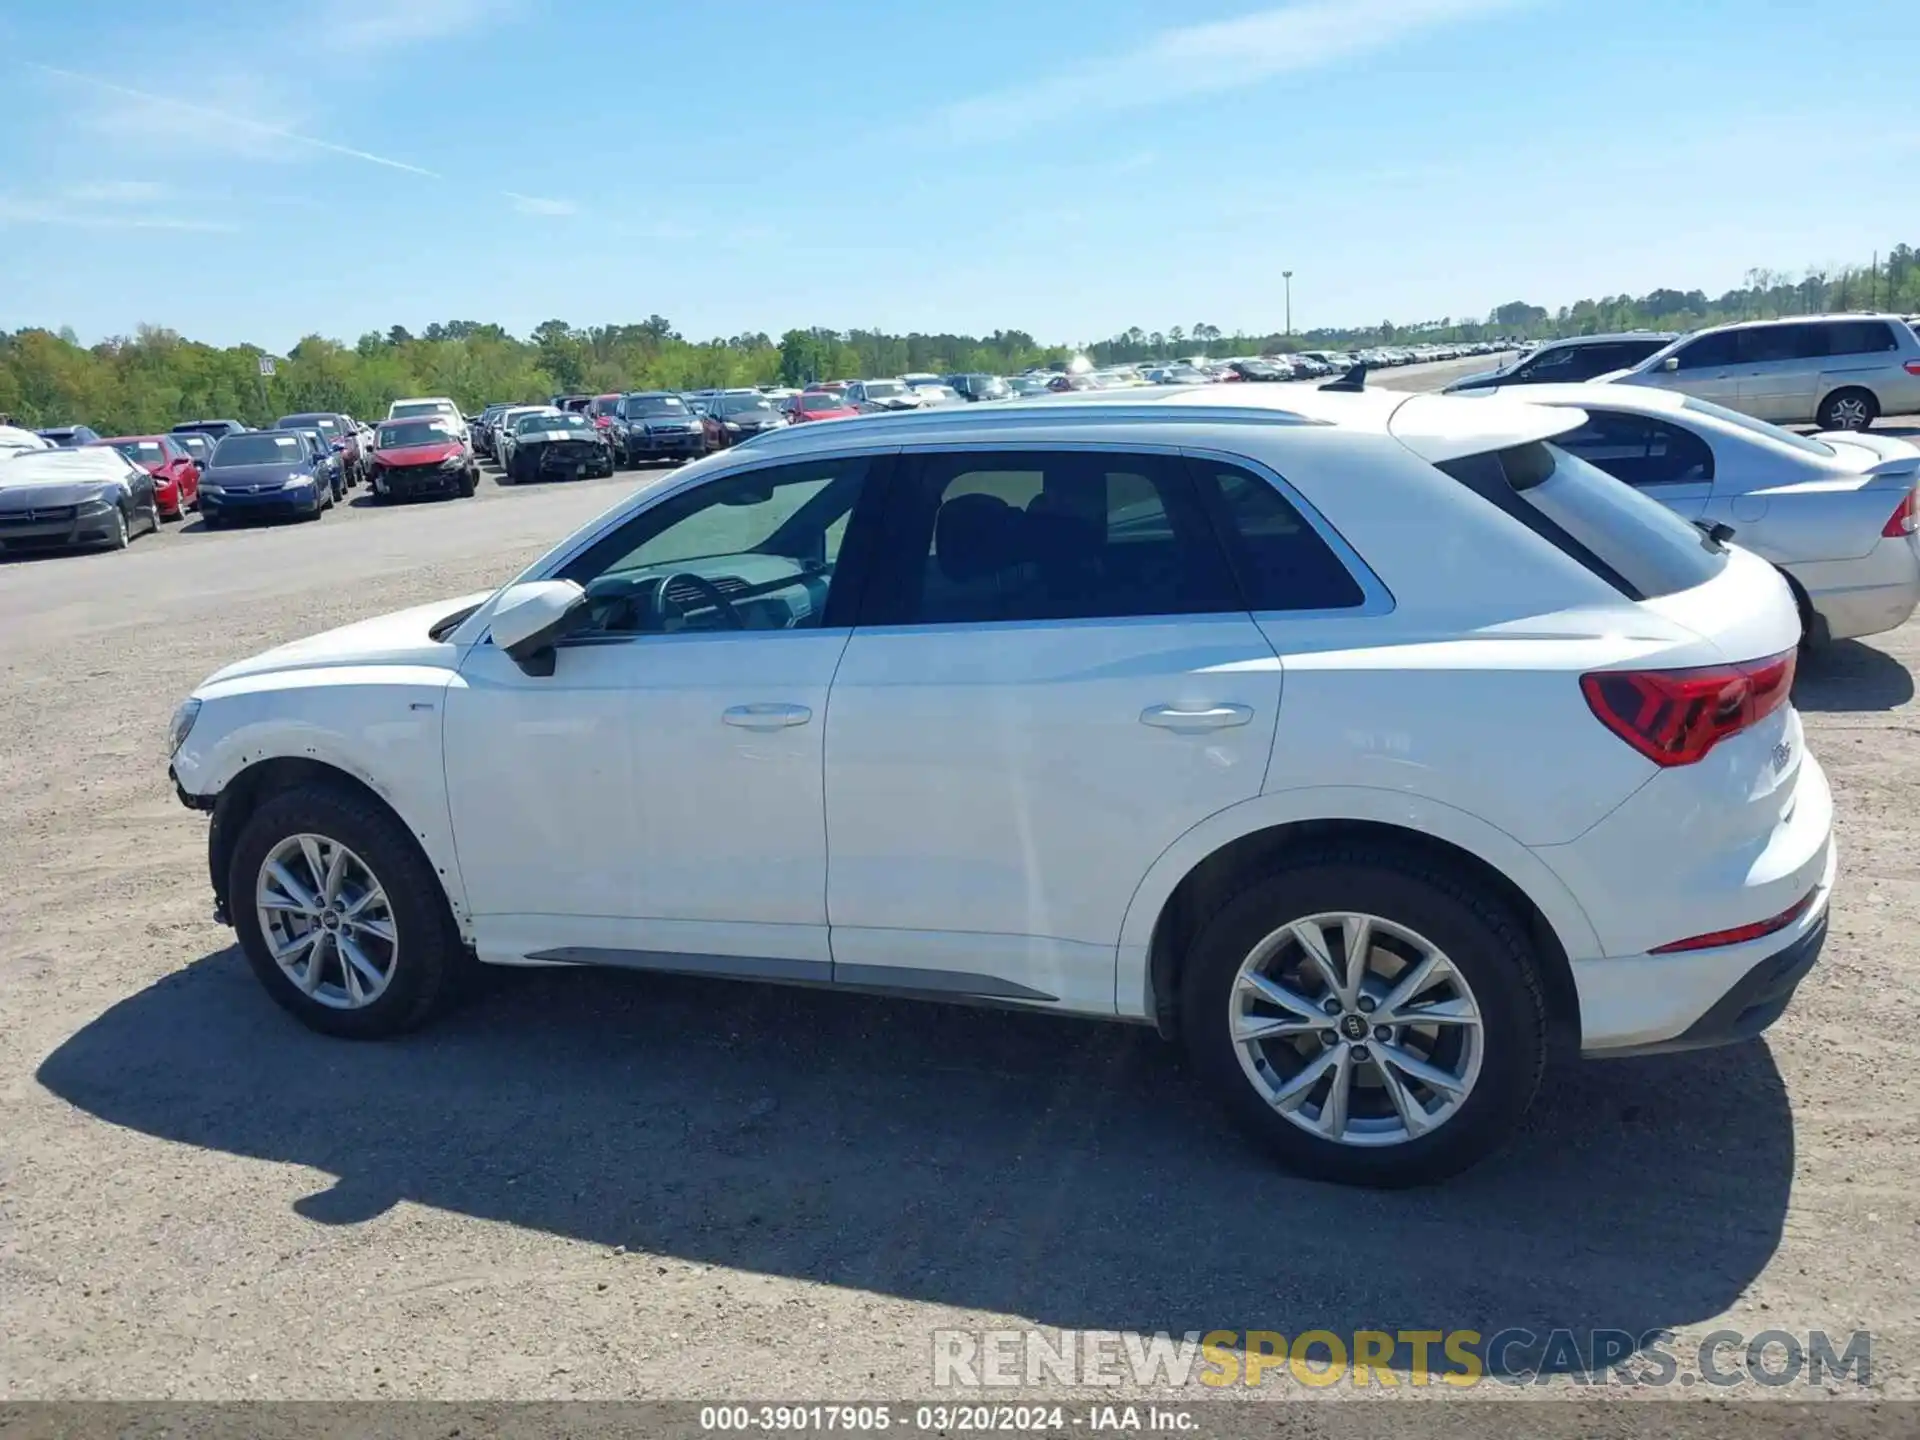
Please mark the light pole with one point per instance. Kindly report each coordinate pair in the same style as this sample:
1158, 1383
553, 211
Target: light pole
1287, 275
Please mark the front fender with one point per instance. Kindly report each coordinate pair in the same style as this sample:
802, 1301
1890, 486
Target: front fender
381, 725
1133, 983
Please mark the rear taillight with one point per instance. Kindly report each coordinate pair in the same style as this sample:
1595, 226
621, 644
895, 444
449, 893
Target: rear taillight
1913, 367
1904, 519
1739, 934
1674, 717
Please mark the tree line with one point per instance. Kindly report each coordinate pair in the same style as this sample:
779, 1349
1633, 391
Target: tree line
155, 377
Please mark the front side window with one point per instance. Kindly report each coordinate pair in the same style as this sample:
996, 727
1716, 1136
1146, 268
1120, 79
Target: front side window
1639, 449
1045, 535
758, 550
1709, 351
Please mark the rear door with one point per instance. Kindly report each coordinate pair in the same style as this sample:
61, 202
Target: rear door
1053, 678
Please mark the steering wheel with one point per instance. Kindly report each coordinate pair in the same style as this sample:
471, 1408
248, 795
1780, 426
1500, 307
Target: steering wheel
708, 591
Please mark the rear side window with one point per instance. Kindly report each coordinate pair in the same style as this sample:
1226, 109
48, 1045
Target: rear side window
1858, 337
1632, 542
1279, 559
1639, 449
1045, 535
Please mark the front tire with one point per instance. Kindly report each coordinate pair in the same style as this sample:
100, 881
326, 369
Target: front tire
1851, 409
1403, 1069
341, 916
120, 533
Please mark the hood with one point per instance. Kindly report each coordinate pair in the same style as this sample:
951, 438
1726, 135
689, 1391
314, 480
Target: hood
400, 638
431, 454
234, 476
896, 402
45, 494
1479, 380
689, 421
826, 412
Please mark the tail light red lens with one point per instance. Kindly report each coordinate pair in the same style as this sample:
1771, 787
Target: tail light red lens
1913, 367
1903, 520
1674, 717
1740, 934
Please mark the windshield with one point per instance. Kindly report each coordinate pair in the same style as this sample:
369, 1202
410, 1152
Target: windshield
821, 400
884, 389
259, 447
743, 406
142, 452
198, 446
325, 424
568, 421
412, 408
414, 432
1757, 427
655, 405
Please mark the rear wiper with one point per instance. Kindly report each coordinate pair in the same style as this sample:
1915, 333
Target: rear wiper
1716, 531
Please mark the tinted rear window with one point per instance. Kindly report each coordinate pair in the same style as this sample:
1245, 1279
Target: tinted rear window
1632, 542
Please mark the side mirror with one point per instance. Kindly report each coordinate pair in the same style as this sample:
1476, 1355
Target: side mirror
531, 617
1672, 362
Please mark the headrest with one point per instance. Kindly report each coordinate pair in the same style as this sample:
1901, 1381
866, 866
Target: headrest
977, 535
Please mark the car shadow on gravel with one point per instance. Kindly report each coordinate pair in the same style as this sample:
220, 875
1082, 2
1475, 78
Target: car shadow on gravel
1849, 676
993, 1161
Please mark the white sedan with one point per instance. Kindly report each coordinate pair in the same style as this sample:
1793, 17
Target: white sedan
1835, 512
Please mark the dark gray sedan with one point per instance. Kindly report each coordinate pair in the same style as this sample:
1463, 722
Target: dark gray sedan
54, 499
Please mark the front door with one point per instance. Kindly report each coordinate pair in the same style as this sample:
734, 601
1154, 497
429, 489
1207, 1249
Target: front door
1052, 680
656, 801
1707, 367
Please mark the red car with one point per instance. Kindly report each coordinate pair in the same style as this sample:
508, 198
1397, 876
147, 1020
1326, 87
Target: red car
601, 410
176, 474
419, 457
818, 405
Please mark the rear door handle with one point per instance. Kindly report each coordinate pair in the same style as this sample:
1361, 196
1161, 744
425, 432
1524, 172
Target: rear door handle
1212, 717
766, 717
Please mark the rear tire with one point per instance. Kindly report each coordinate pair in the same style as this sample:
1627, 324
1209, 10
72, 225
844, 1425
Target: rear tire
1850, 409
426, 962
1384, 1142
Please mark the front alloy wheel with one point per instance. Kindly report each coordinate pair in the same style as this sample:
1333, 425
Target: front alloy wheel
1356, 1029
327, 921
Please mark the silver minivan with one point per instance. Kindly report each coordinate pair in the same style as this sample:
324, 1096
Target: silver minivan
1837, 371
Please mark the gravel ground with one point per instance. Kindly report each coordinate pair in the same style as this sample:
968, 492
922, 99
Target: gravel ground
614, 1185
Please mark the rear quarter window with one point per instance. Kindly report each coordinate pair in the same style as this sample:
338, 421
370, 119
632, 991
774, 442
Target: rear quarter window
1632, 542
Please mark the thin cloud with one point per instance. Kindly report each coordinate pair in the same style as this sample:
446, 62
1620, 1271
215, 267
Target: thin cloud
117, 192
1206, 59
63, 212
539, 205
351, 24
241, 123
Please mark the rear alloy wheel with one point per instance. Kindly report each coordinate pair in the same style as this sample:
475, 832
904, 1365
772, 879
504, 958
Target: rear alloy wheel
340, 915
1848, 410
1371, 1017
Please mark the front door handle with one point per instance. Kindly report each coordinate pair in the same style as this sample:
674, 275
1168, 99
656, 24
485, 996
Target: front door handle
1211, 717
766, 717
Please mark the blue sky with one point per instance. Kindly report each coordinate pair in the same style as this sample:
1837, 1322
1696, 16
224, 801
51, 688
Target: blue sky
252, 171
